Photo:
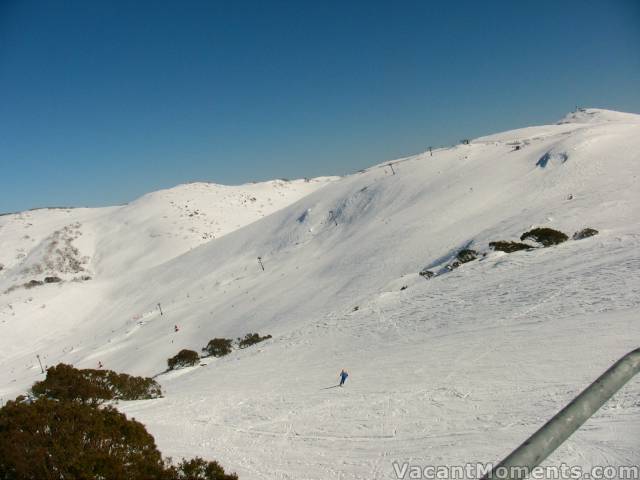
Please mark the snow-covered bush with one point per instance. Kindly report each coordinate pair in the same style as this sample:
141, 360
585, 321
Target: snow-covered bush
545, 236
64, 382
184, 358
463, 256
466, 255
218, 347
585, 233
453, 265
427, 274
509, 247
251, 339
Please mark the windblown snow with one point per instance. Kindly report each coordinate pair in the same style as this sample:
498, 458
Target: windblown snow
460, 367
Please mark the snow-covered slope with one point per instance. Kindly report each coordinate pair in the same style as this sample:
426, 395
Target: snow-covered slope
151, 230
458, 368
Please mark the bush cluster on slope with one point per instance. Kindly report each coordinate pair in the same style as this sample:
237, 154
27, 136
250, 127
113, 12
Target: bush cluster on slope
51, 439
184, 358
199, 469
542, 235
585, 233
463, 256
47, 280
32, 283
251, 339
466, 255
427, 274
218, 347
64, 382
545, 236
48, 439
509, 247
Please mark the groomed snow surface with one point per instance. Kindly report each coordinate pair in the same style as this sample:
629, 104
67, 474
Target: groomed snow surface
459, 368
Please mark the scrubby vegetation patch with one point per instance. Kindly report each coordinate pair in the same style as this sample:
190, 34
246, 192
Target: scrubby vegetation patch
47, 439
453, 265
251, 339
427, 274
509, 247
219, 347
64, 382
466, 255
61, 256
32, 283
52, 439
545, 236
199, 469
585, 233
184, 358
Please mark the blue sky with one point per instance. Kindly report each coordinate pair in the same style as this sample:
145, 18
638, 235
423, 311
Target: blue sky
103, 101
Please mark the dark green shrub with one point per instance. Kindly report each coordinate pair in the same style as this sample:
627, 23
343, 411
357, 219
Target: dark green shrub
184, 358
52, 279
545, 236
48, 439
585, 233
218, 347
64, 382
509, 247
127, 387
251, 339
466, 255
199, 469
33, 283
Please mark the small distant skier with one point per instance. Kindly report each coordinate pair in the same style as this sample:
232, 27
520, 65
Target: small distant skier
99, 364
175, 328
343, 376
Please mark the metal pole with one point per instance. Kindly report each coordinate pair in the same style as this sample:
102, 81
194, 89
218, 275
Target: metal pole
41, 369
392, 170
540, 445
160, 308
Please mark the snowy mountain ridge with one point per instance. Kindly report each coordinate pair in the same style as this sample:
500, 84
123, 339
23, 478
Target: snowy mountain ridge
174, 221
455, 368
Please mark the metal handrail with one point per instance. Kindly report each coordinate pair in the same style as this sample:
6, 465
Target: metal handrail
519, 463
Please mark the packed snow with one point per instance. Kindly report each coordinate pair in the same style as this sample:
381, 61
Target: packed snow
458, 368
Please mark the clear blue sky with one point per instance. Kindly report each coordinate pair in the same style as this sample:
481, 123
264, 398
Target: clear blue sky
102, 101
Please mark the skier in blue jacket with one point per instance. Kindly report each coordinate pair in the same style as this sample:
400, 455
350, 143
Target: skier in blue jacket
343, 376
